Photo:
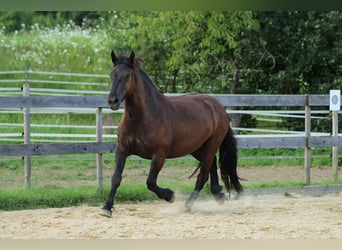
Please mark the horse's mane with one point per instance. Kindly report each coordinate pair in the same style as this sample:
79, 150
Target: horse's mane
138, 62
147, 79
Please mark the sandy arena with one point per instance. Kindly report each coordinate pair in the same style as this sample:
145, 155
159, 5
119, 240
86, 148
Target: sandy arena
291, 216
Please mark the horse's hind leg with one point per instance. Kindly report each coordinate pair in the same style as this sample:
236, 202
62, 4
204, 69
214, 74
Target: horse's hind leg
202, 178
207, 151
207, 154
215, 188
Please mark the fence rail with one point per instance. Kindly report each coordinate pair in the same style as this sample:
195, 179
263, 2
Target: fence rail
99, 147
107, 147
225, 100
64, 100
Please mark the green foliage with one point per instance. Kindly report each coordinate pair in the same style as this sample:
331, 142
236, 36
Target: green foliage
190, 51
205, 51
64, 48
306, 49
15, 21
304, 55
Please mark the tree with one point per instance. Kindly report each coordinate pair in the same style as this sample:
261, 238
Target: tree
192, 51
205, 51
307, 49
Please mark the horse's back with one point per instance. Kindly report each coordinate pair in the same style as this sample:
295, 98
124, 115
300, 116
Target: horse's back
198, 103
194, 119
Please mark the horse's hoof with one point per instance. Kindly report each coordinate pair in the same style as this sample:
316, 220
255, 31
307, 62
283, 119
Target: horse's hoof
187, 209
172, 198
188, 205
168, 195
220, 198
106, 213
220, 201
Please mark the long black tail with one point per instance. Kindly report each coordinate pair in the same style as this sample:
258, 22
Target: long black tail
228, 162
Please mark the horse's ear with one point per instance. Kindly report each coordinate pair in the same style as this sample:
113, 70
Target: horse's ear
114, 57
131, 57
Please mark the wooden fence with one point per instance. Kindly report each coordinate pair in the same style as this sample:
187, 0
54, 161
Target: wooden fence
99, 147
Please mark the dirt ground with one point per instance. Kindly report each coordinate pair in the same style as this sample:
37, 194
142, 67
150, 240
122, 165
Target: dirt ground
261, 216
285, 174
292, 216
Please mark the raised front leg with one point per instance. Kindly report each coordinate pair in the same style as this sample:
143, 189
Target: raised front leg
162, 193
120, 160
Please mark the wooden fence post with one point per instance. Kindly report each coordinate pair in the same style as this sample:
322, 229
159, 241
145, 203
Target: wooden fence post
27, 131
335, 149
99, 158
307, 156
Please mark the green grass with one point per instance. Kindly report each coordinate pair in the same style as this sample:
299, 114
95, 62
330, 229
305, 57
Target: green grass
47, 197
54, 196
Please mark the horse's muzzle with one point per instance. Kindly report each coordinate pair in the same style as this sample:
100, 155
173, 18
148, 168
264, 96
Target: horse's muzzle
114, 103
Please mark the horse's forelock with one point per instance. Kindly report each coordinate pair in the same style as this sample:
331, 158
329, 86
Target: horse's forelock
124, 59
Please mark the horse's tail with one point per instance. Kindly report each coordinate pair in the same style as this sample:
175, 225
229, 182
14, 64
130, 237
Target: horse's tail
228, 162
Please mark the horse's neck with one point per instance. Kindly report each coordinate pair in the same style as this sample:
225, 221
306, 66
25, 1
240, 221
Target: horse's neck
145, 102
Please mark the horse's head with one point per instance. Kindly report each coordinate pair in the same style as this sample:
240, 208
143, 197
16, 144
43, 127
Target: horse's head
122, 79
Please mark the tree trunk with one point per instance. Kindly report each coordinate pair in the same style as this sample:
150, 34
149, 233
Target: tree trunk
174, 81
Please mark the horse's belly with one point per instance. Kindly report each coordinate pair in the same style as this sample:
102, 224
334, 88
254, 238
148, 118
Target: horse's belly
141, 150
188, 144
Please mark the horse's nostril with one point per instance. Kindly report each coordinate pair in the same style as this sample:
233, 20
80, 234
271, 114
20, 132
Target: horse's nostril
114, 103
112, 100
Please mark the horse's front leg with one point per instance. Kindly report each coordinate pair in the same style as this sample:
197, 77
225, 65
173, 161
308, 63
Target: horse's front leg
162, 193
120, 160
